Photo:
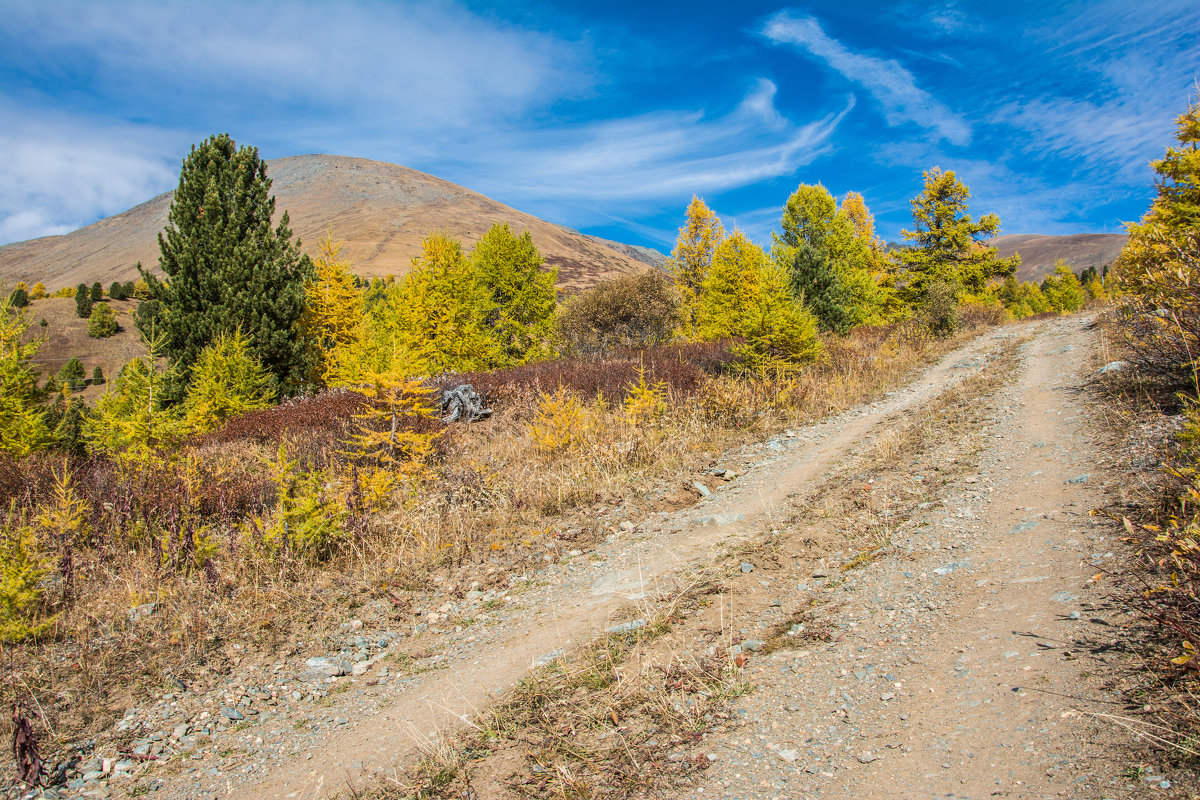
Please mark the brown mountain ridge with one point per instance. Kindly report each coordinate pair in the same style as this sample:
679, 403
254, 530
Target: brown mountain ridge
381, 211
1039, 252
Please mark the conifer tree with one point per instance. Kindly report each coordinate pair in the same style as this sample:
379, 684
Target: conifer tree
226, 267
333, 309
522, 294
731, 288
83, 301
130, 421
71, 375
692, 257
781, 334
226, 381
102, 323
814, 238
947, 243
23, 426
436, 319
97, 292
1064, 293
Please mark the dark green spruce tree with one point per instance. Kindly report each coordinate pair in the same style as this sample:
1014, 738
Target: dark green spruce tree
226, 266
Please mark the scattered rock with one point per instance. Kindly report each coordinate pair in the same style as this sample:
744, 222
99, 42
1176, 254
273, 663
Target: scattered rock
323, 667
701, 488
1112, 366
141, 612
626, 627
747, 567
866, 757
1077, 479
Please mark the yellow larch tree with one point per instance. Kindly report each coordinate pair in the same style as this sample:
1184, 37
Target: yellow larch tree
333, 309
692, 257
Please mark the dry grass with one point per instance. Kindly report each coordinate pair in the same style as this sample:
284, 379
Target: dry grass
494, 504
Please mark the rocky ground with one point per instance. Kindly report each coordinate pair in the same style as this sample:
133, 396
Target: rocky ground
911, 595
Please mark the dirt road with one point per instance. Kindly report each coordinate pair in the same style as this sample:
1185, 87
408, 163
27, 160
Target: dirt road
970, 656
955, 657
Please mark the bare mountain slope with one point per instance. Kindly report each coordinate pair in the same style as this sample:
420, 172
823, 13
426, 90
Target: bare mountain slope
382, 211
1039, 252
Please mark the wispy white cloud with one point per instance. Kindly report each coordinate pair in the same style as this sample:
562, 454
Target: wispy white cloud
892, 86
62, 171
664, 155
1138, 64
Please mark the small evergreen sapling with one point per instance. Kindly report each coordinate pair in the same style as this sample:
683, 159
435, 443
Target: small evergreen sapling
83, 301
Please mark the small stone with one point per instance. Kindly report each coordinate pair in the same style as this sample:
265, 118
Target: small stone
1077, 479
887, 696
627, 526
701, 488
788, 755
341, 721
626, 627
753, 645
142, 611
747, 567
866, 757
356, 624
820, 572
231, 713
1047, 645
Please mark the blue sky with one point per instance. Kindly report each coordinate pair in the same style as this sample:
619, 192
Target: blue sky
607, 117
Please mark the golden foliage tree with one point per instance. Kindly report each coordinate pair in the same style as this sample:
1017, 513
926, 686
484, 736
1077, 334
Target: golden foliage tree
23, 427
731, 288
333, 309
226, 381
436, 319
780, 333
521, 294
692, 256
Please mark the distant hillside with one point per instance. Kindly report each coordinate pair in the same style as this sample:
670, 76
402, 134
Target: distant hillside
646, 255
382, 212
1038, 253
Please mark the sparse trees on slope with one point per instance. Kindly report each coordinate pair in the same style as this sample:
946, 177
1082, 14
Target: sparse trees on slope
226, 267
947, 243
522, 294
